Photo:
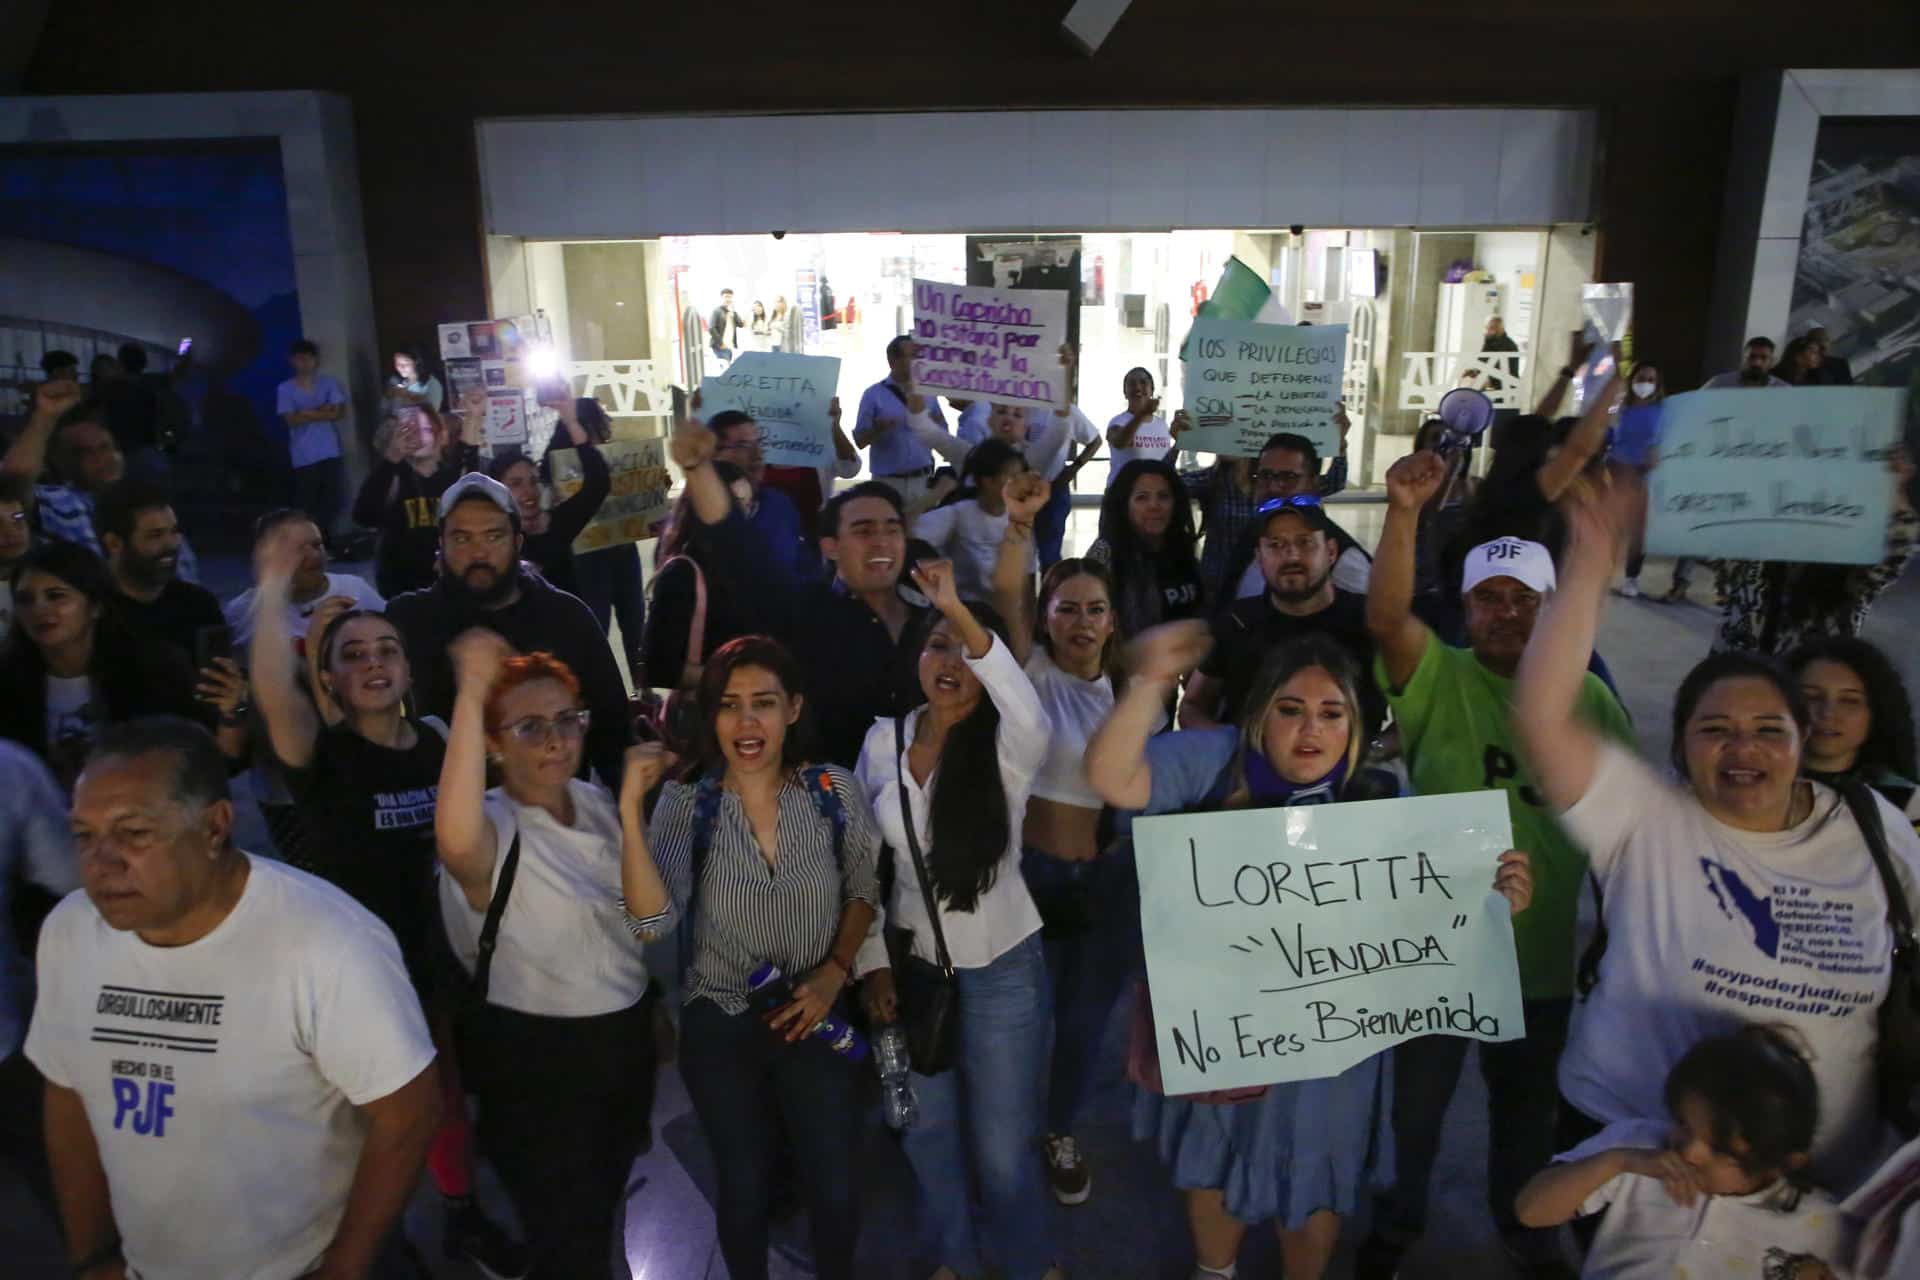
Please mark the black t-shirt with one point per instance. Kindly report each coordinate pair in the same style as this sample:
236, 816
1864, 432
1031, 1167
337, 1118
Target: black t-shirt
366, 826
174, 618
1244, 635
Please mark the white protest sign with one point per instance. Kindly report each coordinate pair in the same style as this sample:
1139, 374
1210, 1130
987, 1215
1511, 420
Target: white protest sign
1246, 382
506, 423
639, 499
789, 396
1775, 473
975, 343
1291, 944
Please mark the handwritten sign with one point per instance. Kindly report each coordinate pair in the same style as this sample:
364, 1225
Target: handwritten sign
990, 344
1291, 944
790, 396
1246, 382
638, 500
1776, 473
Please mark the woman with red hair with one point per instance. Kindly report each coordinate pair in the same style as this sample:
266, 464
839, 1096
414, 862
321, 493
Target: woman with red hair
557, 1039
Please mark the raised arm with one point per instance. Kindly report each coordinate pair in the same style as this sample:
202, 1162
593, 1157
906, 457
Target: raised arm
461, 828
572, 515
846, 458
1336, 478
1556, 392
1117, 765
1400, 637
1024, 726
293, 726
1012, 583
642, 887
1563, 749
692, 449
1586, 440
929, 433
28, 456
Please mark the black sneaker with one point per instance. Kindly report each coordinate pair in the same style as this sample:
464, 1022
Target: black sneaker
1067, 1170
474, 1238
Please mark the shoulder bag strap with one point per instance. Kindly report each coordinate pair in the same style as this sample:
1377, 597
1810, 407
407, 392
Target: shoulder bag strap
697, 625
1866, 814
913, 848
490, 929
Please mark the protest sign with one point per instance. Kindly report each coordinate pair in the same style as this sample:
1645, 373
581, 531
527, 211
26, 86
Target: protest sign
790, 396
1291, 944
638, 500
1246, 382
506, 423
990, 344
1777, 473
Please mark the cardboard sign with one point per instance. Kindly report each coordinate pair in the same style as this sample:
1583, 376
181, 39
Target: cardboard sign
1776, 473
1291, 944
990, 344
640, 497
1245, 382
789, 396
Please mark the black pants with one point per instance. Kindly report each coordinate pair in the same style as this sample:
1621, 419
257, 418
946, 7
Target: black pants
564, 1108
747, 1089
610, 584
23, 1140
1522, 1095
319, 489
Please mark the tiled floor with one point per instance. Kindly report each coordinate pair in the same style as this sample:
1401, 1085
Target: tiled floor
1132, 1229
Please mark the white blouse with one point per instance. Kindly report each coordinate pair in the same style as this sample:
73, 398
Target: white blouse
1005, 915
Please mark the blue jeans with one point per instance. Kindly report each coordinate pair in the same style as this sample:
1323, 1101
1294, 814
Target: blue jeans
984, 1114
1092, 941
1050, 526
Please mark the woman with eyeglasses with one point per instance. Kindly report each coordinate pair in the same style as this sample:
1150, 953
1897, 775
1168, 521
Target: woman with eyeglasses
559, 1051
363, 775
1146, 542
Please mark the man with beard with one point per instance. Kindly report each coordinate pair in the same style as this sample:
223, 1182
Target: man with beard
483, 583
1451, 708
1288, 466
1298, 546
140, 535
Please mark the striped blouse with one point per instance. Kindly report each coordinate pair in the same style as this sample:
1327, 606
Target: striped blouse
750, 913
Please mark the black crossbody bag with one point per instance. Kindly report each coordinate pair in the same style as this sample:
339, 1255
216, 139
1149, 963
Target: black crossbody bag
928, 993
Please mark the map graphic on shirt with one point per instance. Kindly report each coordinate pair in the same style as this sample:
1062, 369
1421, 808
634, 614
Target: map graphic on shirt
1732, 895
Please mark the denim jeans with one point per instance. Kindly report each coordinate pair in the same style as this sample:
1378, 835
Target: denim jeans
748, 1089
984, 1115
1522, 1096
1050, 526
1088, 961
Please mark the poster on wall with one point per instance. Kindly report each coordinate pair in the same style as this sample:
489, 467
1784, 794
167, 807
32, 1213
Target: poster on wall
464, 374
638, 500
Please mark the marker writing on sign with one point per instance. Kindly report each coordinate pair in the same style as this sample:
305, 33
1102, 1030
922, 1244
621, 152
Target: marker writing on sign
1317, 883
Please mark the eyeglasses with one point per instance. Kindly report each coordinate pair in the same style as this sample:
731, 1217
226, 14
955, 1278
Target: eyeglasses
1300, 501
1278, 477
533, 731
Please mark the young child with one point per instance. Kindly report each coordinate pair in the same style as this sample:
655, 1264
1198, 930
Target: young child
1719, 1191
968, 528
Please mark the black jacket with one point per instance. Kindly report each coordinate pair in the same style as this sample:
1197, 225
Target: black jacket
543, 619
405, 507
552, 551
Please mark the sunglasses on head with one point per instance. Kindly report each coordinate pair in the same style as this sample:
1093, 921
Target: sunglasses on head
1301, 501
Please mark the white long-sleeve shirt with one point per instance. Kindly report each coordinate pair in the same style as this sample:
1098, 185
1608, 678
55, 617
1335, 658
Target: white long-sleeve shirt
1005, 915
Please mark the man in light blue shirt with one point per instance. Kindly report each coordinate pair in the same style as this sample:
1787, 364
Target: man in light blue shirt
312, 405
894, 457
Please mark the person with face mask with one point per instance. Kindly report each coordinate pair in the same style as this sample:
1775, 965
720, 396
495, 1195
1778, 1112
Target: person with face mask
1299, 545
418, 462
1456, 734
481, 582
1644, 394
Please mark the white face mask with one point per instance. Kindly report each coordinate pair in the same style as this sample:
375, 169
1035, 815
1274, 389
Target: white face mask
1645, 390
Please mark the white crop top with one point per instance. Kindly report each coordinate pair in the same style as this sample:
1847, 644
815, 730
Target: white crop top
1077, 708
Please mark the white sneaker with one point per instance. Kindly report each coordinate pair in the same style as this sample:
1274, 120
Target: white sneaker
1629, 589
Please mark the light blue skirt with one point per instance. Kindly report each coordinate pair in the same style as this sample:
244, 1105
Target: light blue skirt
1293, 1151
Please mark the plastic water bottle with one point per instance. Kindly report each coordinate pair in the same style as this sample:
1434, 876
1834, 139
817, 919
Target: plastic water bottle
896, 1088
772, 989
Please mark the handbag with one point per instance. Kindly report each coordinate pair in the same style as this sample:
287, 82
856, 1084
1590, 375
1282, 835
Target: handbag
1898, 1054
928, 993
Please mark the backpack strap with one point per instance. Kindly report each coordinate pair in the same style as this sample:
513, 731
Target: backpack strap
818, 780
1866, 814
1587, 974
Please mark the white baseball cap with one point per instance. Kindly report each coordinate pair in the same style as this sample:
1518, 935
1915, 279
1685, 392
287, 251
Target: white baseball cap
1516, 558
478, 484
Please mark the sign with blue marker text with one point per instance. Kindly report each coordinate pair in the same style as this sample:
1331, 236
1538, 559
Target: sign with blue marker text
974, 343
1246, 382
790, 396
1776, 473
1291, 944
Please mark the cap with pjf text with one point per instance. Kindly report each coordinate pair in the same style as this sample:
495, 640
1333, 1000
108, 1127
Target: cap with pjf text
1516, 558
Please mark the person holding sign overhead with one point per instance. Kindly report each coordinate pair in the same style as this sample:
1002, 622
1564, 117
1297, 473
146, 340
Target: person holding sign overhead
896, 456
1301, 1154
1455, 731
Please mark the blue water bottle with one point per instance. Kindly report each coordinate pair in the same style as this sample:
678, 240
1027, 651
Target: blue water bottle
772, 989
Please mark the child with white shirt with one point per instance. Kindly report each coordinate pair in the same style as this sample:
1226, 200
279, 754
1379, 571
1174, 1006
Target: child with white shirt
970, 526
1719, 1190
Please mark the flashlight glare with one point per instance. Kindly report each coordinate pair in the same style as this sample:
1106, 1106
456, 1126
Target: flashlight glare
542, 362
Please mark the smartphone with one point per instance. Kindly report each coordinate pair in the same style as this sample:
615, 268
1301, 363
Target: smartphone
552, 392
210, 643
186, 345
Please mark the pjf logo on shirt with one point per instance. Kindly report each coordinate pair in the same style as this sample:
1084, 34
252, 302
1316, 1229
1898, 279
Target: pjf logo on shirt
145, 1111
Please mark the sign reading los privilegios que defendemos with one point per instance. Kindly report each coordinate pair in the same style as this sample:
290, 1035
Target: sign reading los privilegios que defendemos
1291, 944
1001, 345
1797, 474
1247, 382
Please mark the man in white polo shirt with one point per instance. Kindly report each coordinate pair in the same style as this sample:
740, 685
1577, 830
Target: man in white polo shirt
237, 1069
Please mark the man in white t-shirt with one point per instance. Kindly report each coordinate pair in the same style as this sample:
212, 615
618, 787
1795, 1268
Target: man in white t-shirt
312, 584
238, 1071
1756, 369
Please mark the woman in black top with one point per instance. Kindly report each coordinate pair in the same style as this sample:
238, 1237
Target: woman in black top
71, 667
401, 496
550, 530
1147, 543
682, 566
365, 776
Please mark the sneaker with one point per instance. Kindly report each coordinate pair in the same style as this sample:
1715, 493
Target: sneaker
475, 1238
1067, 1170
1630, 590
